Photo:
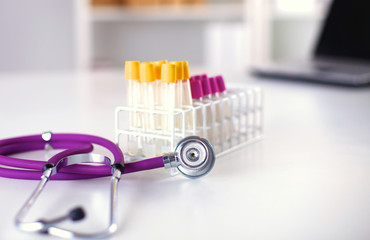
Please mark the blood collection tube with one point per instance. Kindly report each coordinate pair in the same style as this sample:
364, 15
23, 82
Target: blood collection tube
186, 91
221, 84
147, 85
214, 87
179, 78
196, 91
208, 98
178, 92
132, 75
187, 100
206, 86
213, 123
215, 96
158, 95
229, 126
157, 66
223, 93
223, 103
147, 96
199, 118
168, 82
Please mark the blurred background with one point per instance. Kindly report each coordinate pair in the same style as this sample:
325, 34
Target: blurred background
49, 35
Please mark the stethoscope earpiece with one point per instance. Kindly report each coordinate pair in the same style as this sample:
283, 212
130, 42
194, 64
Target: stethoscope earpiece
195, 156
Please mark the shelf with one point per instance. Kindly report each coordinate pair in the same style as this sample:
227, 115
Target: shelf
209, 12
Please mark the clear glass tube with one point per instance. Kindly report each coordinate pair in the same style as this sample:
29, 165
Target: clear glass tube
187, 101
133, 95
148, 99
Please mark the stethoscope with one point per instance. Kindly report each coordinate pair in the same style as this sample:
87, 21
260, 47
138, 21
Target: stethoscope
193, 157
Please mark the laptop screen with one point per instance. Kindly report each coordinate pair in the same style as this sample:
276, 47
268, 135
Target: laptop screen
346, 31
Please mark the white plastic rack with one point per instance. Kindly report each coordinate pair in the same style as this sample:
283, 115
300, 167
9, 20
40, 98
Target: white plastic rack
228, 121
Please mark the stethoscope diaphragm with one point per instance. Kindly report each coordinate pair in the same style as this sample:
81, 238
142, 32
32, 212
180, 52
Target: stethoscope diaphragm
195, 156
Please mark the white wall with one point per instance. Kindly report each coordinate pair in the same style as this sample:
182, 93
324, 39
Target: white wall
114, 43
283, 30
37, 35
210, 44
225, 46
294, 39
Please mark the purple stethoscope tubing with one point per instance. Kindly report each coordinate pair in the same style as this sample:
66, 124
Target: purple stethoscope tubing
73, 144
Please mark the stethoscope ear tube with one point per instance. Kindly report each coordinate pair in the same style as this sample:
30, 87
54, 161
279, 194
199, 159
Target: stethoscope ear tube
195, 157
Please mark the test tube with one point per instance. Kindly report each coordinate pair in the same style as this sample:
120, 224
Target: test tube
223, 93
186, 93
157, 67
147, 96
179, 78
186, 99
207, 97
147, 90
158, 95
199, 118
206, 87
213, 126
168, 82
230, 119
178, 92
216, 97
158, 102
221, 84
222, 103
132, 75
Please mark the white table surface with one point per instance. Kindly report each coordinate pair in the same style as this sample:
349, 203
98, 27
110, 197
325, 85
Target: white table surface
307, 179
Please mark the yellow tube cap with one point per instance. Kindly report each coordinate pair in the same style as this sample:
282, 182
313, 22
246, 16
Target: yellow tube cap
168, 73
146, 72
179, 71
161, 61
157, 68
185, 70
132, 70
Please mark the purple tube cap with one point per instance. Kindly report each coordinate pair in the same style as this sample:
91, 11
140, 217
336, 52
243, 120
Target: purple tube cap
196, 89
194, 78
206, 85
214, 85
220, 83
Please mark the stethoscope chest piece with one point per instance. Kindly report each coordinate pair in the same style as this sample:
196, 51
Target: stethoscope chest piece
195, 156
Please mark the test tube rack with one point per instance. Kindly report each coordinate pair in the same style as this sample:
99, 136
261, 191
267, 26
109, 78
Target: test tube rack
228, 122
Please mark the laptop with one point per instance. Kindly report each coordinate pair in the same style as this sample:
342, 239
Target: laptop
342, 52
